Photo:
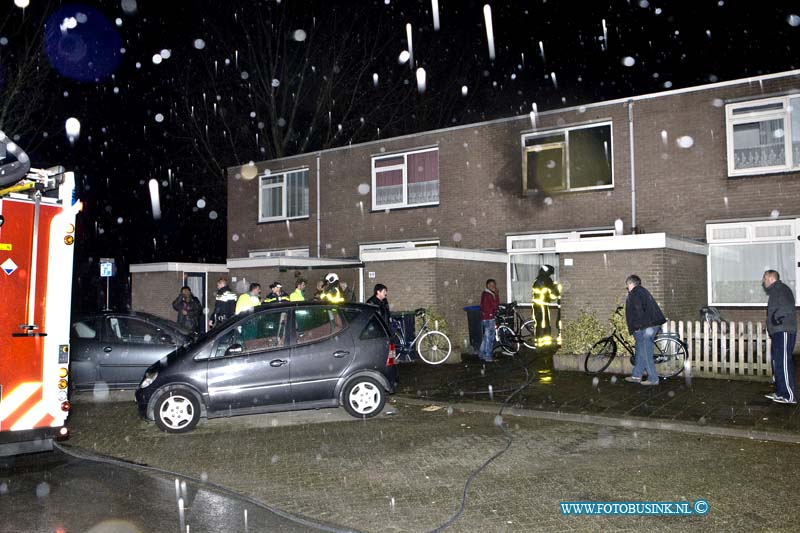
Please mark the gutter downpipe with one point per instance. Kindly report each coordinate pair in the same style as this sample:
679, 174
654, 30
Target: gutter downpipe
318, 226
633, 167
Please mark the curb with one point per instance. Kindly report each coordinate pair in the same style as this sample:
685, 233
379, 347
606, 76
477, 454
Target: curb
627, 422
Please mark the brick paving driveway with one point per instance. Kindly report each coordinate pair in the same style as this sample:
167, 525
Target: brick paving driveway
406, 471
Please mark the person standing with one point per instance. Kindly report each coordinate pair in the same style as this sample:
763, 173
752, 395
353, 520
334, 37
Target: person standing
378, 298
189, 310
224, 305
276, 293
332, 293
782, 329
490, 301
644, 318
546, 293
250, 299
347, 292
299, 292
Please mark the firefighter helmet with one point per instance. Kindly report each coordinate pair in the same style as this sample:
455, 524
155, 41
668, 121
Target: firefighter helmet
331, 278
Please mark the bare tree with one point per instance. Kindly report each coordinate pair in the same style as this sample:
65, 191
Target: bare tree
285, 82
24, 72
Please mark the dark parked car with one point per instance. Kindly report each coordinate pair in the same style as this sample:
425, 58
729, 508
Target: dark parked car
115, 349
278, 357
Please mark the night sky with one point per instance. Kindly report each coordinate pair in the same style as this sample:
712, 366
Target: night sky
176, 91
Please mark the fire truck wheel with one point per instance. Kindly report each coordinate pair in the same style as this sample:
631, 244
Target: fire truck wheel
177, 411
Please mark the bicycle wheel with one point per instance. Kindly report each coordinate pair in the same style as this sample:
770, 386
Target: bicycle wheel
527, 334
434, 347
509, 343
600, 356
670, 356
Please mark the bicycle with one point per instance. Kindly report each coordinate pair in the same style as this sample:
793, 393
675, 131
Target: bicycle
512, 329
670, 353
432, 345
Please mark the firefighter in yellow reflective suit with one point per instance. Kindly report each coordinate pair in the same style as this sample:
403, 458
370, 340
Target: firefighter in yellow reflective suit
546, 294
332, 293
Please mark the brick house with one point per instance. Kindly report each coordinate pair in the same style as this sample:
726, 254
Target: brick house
697, 190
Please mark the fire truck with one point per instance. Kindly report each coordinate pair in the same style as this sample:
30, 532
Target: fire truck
37, 236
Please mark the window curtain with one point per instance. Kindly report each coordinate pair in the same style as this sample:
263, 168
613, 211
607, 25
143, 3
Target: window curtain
423, 177
736, 270
297, 194
524, 269
759, 144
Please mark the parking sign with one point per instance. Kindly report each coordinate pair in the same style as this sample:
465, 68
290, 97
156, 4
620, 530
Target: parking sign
106, 267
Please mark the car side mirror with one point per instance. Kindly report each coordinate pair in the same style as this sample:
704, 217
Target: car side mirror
234, 349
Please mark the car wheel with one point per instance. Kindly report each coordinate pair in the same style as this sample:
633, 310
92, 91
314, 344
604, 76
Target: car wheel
364, 397
177, 411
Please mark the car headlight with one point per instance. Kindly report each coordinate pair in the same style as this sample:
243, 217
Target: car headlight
149, 377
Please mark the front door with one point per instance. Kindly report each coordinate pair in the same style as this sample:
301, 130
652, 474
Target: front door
322, 352
250, 364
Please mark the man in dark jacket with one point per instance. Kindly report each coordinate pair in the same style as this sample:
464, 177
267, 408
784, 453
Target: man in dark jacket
644, 319
378, 298
782, 329
224, 305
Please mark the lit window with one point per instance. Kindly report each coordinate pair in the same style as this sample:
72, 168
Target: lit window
405, 180
568, 160
738, 255
283, 196
763, 136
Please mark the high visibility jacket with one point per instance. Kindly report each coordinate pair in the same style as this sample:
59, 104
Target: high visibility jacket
333, 296
297, 296
246, 301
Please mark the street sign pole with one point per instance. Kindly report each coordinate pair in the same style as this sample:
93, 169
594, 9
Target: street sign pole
107, 269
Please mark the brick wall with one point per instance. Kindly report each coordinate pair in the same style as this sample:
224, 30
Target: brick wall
596, 281
480, 167
153, 292
446, 285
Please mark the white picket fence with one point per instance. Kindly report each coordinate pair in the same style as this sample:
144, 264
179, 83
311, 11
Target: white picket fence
731, 350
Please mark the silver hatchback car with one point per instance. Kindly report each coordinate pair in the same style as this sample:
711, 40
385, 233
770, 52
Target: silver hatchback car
278, 357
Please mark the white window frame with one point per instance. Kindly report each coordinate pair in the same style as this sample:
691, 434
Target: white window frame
565, 131
288, 252
785, 113
404, 168
404, 245
284, 196
751, 238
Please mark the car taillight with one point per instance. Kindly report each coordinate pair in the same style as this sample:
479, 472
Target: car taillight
392, 354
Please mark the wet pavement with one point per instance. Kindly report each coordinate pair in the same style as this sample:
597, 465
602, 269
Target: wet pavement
445, 452
711, 406
72, 491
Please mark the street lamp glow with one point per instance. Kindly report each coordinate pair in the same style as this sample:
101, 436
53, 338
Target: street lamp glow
22, 3
435, 10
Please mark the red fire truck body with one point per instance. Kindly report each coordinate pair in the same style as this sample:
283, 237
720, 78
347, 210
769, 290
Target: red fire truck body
37, 232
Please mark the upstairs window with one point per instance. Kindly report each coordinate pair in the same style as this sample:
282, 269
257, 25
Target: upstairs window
410, 179
283, 196
568, 160
763, 136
